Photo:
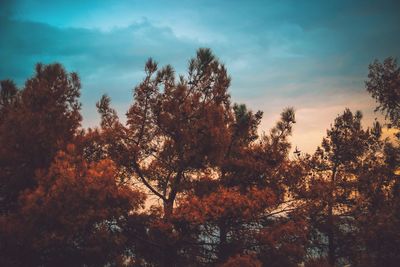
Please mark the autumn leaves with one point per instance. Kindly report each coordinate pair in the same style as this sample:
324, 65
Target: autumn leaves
222, 194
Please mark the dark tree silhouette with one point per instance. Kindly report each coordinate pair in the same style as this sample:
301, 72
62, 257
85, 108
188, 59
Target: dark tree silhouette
384, 85
35, 123
379, 186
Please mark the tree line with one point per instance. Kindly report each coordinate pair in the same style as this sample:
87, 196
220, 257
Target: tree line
188, 180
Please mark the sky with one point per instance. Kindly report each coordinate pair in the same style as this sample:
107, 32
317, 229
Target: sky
310, 55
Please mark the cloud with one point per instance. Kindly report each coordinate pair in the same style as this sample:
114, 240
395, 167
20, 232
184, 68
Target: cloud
311, 55
88, 50
108, 62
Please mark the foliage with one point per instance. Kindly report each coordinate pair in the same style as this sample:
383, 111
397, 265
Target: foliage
73, 217
333, 181
188, 180
35, 123
384, 85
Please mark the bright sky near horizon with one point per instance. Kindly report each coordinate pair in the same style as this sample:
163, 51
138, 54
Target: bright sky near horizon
312, 55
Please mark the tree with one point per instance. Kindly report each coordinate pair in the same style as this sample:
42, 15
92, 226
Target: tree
246, 206
8, 97
379, 187
35, 123
384, 85
185, 142
332, 185
74, 217
175, 129
221, 194
378, 209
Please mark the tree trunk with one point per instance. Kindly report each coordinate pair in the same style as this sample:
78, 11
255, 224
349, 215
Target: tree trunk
169, 250
222, 248
168, 209
331, 234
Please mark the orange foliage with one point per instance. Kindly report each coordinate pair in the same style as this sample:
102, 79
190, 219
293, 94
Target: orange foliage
225, 204
76, 207
225, 195
242, 261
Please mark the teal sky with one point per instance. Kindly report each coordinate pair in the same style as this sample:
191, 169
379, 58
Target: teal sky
312, 55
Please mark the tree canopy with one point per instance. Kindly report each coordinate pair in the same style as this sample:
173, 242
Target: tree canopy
189, 179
